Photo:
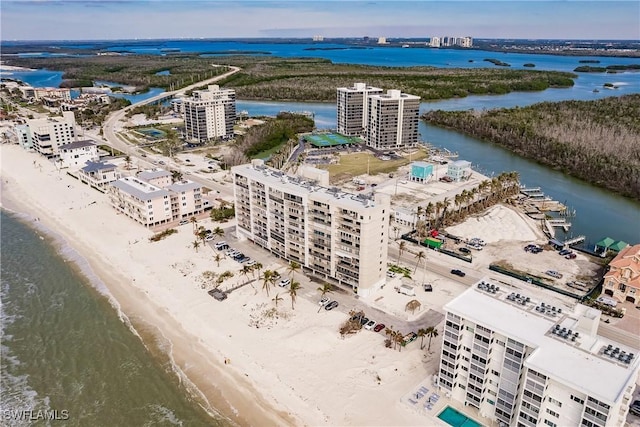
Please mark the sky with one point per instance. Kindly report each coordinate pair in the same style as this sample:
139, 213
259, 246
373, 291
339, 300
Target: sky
153, 19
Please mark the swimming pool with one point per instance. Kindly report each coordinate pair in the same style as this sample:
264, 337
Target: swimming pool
457, 419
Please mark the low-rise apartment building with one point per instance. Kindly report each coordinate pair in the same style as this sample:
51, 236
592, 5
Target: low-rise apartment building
76, 154
338, 236
153, 205
98, 174
622, 281
522, 362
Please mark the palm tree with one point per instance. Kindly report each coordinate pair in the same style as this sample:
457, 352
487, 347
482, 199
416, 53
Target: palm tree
193, 221
391, 334
399, 338
217, 259
219, 232
401, 248
267, 277
419, 257
202, 234
196, 245
326, 288
293, 267
431, 332
421, 333
176, 176
293, 292
246, 270
256, 267
127, 162
277, 299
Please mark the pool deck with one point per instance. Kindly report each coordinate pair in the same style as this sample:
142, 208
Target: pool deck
421, 399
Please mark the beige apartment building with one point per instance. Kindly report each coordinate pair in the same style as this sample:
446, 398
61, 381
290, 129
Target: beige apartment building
209, 114
337, 236
520, 361
392, 121
352, 108
152, 205
46, 135
622, 281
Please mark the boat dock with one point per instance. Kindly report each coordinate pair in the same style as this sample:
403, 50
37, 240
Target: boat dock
560, 223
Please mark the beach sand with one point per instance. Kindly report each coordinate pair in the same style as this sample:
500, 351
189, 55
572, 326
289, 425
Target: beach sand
288, 369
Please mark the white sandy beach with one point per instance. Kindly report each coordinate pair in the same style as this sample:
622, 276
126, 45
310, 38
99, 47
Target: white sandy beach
294, 370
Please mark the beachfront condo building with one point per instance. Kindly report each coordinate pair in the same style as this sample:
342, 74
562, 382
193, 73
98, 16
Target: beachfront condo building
392, 120
98, 174
75, 155
622, 281
209, 114
336, 236
522, 362
153, 205
46, 135
352, 108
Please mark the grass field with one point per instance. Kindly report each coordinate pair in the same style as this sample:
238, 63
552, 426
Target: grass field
355, 164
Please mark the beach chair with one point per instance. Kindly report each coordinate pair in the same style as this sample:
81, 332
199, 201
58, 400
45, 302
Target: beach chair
413, 401
424, 390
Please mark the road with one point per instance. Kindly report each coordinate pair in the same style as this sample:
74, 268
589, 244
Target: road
112, 124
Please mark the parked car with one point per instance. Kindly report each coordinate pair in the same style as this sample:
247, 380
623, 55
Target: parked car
220, 245
238, 255
209, 237
230, 252
409, 338
570, 256
465, 250
250, 263
184, 222
554, 274
427, 287
391, 274
370, 325
458, 272
284, 283
379, 327
243, 259
364, 320
323, 301
331, 305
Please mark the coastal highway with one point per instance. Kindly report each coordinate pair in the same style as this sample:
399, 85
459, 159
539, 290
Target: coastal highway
113, 122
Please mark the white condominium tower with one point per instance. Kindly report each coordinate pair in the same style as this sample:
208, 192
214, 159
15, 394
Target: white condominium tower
352, 108
527, 363
46, 135
337, 236
392, 120
209, 114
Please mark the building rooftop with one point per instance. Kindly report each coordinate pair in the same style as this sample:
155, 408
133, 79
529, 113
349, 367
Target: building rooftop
184, 185
300, 186
394, 94
76, 144
421, 164
97, 166
359, 87
139, 189
153, 173
573, 355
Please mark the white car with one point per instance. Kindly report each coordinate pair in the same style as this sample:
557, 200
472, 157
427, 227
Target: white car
323, 301
370, 325
391, 274
284, 283
250, 263
209, 238
220, 244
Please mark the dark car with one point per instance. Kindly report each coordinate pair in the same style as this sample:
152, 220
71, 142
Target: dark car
427, 287
379, 327
464, 250
331, 305
635, 408
570, 256
458, 273
364, 320
564, 252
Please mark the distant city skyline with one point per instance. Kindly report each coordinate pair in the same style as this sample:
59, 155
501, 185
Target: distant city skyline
154, 19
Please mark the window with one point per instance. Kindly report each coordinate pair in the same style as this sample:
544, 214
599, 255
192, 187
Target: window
577, 399
549, 423
552, 413
557, 402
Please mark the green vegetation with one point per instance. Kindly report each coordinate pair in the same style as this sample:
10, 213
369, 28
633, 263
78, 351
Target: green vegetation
297, 79
223, 213
109, 149
96, 113
273, 133
406, 272
358, 163
130, 70
597, 141
497, 62
607, 69
529, 65
159, 236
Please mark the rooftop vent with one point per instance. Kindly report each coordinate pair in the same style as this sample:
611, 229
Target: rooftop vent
617, 354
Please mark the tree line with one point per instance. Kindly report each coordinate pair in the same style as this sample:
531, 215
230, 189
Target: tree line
597, 141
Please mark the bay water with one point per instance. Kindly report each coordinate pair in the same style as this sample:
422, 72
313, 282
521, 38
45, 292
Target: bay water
67, 353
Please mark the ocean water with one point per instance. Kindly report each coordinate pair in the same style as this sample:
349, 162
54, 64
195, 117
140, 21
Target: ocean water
67, 353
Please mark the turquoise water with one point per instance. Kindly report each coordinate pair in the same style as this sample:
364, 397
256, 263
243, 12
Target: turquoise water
65, 348
457, 419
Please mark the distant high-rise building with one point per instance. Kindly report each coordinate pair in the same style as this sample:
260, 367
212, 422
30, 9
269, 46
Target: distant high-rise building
209, 114
392, 121
318, 38
434, 42
382, 40
352, 108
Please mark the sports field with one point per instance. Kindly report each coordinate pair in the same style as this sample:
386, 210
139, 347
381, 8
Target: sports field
330, 140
